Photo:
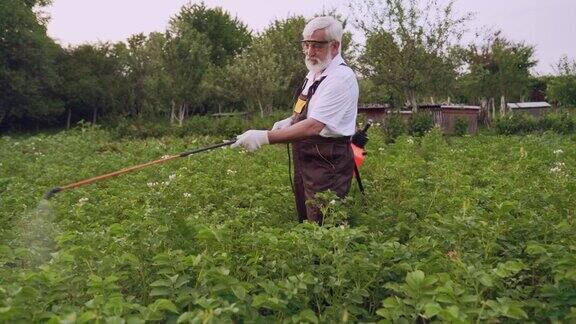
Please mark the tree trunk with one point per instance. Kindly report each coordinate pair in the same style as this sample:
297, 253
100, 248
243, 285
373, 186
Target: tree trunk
268, 109
261, 108
94, 114
502, 105
68, 118
172, 113
493, 107
3, 114
181, 114
484, 112
412, 100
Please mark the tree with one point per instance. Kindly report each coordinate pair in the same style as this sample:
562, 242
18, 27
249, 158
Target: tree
225, 35
29, 81
148, 90
497, 69
562, 89
282, 38
93, 83
186, 58
257, 76
408, 45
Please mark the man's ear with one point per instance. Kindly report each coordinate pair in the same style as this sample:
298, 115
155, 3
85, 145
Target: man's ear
334, 46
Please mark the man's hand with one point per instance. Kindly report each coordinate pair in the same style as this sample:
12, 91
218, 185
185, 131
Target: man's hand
284, 123
251, 140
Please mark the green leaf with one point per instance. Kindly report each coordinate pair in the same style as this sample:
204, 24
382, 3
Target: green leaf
535, 249
135, 320
182, 280
516, 312
308, 315
86, 317
160, 291
514, 266
115, 320
415, 279
239, 292
486, 280
165, 304
509, 268
432, 309
186, 317
259, 300
391, 302
162, 283
452, 312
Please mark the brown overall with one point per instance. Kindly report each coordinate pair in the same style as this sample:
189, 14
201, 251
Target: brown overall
320, 164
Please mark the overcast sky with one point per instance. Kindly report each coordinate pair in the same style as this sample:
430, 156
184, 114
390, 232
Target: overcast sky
550, 25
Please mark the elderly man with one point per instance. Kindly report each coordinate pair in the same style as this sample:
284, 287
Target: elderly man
323, 121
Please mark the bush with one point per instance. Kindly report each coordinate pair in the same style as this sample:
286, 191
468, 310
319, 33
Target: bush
562, 123
516, 123
460, 126
393, 127
421, 123
227, 127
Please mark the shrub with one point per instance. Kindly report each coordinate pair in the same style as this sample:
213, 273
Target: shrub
226, 127
421, 123
393, 127
517, 123
562, 123
461, 126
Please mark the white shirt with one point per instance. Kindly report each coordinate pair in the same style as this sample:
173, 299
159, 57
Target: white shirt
335, 102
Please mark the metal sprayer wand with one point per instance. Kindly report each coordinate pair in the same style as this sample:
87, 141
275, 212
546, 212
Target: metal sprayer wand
55, 190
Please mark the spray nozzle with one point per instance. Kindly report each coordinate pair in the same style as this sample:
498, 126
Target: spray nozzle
360, 138
52, 192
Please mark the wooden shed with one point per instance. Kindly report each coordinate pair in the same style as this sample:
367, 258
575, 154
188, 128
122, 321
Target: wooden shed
373, 111
445, 116
536, 109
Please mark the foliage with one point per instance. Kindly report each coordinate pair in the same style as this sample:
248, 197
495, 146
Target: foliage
29, 81
393, 127
283, 40
420, 123
476, 229
371, 93
461, 126
91, 81
499, 67
198, 125
186, 58
226, 36
562, 123
257, 78
517, 123
408, 45
562, 89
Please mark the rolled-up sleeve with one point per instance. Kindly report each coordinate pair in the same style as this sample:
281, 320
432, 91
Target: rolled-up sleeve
332, 104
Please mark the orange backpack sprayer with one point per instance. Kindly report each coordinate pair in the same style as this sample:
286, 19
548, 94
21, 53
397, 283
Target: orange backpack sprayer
359, 140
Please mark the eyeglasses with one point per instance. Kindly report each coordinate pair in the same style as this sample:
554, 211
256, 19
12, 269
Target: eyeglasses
315, 45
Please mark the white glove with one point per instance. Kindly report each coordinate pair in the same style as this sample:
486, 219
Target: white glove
251, 140
284, 123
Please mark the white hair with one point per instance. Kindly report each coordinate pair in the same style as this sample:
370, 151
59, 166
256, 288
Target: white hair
333, 28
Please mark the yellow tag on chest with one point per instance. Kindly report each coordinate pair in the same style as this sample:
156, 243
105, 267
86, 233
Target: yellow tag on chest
299, 105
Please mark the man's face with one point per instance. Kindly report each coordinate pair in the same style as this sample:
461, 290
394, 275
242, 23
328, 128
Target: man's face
319, 52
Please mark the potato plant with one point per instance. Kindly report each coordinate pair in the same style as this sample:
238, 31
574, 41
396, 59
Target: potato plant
461, 229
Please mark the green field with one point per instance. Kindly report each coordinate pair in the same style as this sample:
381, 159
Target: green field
459, 229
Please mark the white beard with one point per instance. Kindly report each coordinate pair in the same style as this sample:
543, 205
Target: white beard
318, 67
